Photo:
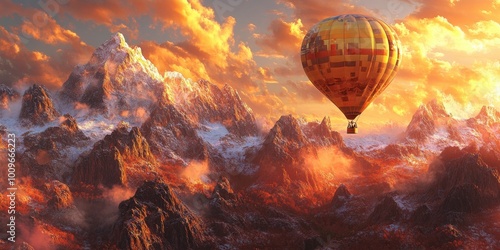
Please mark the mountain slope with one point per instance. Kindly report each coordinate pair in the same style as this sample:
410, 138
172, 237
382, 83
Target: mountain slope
117, 81
37, 107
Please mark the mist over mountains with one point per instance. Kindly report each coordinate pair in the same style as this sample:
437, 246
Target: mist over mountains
123, 157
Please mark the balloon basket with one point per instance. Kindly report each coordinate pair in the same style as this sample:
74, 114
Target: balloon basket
352, 130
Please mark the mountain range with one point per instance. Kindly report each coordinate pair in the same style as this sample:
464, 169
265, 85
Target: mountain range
122, 157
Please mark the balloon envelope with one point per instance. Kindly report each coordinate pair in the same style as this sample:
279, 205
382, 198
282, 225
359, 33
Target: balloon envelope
351, 59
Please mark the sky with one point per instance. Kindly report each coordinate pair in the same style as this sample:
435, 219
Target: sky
450, 49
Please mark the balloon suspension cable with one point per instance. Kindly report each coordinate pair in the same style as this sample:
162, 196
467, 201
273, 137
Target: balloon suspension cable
354, 122
352, 126
356, 119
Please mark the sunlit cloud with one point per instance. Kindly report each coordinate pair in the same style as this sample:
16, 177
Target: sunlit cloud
24, 67
283, 39
461, 13
51, 32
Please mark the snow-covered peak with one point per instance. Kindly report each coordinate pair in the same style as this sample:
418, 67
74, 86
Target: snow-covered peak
117, 81
116, 54
488, 114
435, 109
178, 88
115, 43
6, 90
203, 101
287, 129
425, 120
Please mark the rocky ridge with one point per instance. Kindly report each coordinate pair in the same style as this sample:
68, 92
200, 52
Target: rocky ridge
154, 218
37, 107
111, 158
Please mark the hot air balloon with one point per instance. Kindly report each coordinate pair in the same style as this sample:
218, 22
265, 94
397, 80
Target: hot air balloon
351, 59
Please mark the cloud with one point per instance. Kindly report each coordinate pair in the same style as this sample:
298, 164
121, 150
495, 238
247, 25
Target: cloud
303, 91
284, 38
107, 12
266, 75
51, 32
170, 57
10, 8
313, 11
268, 106
191, 18
460, 13
21, 65
446, 66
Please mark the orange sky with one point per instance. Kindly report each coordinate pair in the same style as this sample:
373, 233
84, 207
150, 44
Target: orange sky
450, 49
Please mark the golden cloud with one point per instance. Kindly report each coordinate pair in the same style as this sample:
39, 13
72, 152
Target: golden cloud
284, 39
51, 32
461, 13
441, 62
23, 66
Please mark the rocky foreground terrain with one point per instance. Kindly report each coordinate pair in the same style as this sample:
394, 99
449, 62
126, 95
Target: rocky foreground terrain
122, 157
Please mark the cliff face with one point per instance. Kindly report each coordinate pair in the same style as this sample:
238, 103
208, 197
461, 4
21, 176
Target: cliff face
154, 218
61, 196
205, 102
281, 156
107, 162
37, 107
172, 136
387, 211
48, 154
467, 183
460, 168
101, 166
341, 195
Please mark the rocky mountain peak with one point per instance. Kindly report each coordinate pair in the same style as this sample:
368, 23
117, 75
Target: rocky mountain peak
205, 102
7, 94
69, 123
117, 41
117, 80
131, 143
108, 161
467, 169
159, 194
340, 196
172, 135
49, 154
60, 194
37, 107
424, 121
321, 134
223, 189
155, 218
282, 154
287, 130
436, 108
386, 211
7, 91
464, 180
326, 123
117, 51
488, 115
